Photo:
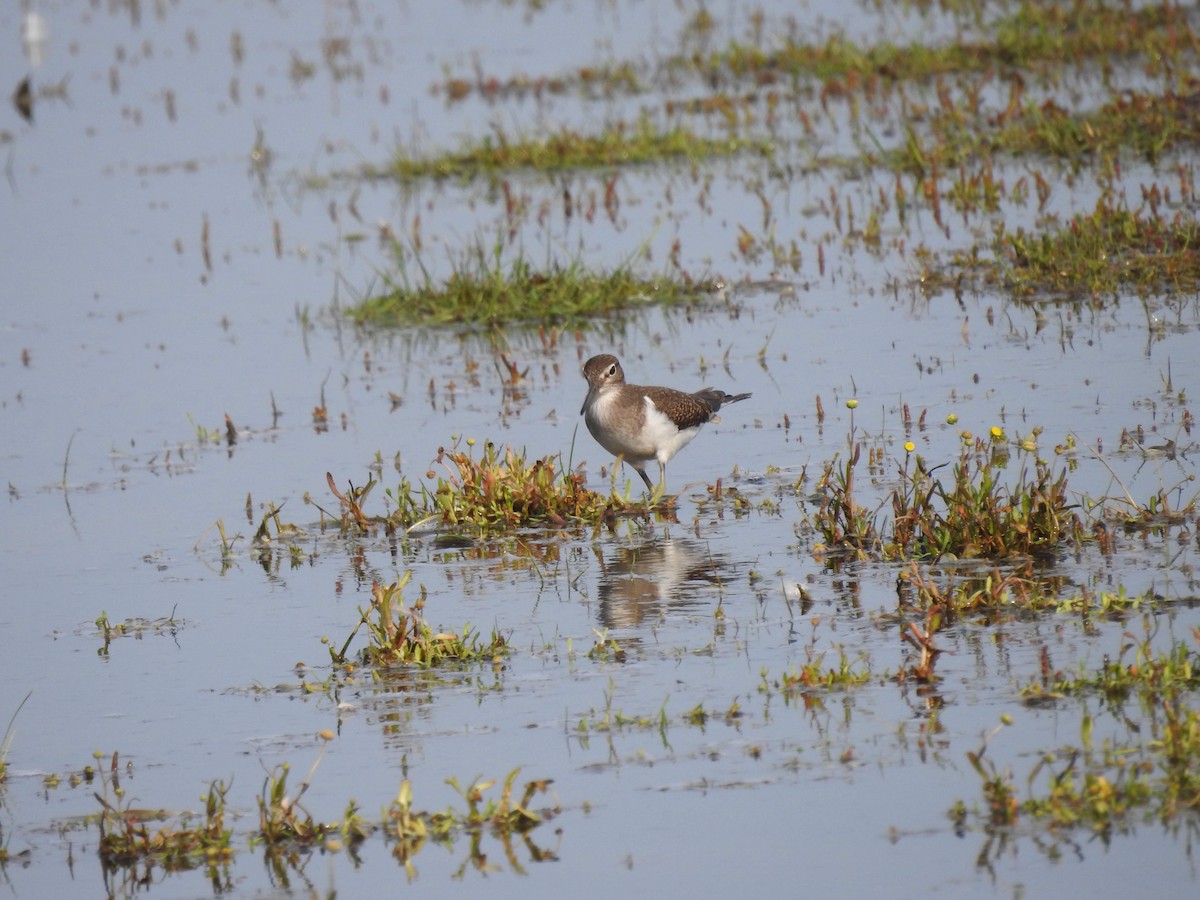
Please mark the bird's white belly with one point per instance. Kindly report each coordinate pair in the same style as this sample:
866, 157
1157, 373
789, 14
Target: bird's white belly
650, 435
663, 435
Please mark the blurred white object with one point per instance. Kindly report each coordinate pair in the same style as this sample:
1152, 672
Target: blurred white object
34, 36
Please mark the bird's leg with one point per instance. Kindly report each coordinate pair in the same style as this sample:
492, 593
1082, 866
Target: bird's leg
645, 478
659, 490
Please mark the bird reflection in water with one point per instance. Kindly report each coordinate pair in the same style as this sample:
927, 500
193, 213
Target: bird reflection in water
643, 582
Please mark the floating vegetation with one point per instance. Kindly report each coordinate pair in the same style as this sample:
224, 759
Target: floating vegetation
1151, 676
809, 680
408, 830
814, 675
136, 628
612, 719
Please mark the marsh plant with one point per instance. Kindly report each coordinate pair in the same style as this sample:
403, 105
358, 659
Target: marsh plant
9, 735
127, 840
483, 491
500, 489
486, 288
976, 512
287, 831
400, 635
1108, 786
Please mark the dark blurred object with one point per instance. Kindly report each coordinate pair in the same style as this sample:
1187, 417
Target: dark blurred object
22, 99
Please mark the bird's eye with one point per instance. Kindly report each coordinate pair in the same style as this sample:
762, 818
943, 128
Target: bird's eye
612, 370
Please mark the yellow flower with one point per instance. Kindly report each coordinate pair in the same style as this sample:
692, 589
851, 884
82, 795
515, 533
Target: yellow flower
851, 404
997, 433
909, 446
952, 419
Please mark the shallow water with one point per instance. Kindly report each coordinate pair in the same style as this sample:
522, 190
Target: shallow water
123, 347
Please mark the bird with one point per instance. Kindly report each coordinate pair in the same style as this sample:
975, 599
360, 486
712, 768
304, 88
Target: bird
640, 423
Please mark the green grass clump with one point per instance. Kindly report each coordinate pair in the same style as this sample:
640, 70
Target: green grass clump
501, 489
972, 514
1145, 123
287, 831
616, 145
495, 491
1108, 789
401, 636
1099, 253
814, 675
1036, 35
282, 819
127, 840
408, 829
1151, 676
488, 292
975, 515
1091, 256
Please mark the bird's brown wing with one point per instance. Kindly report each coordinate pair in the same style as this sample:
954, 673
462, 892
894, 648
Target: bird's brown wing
685, 410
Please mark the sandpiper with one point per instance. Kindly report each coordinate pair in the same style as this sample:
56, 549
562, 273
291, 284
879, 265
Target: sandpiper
643, 423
